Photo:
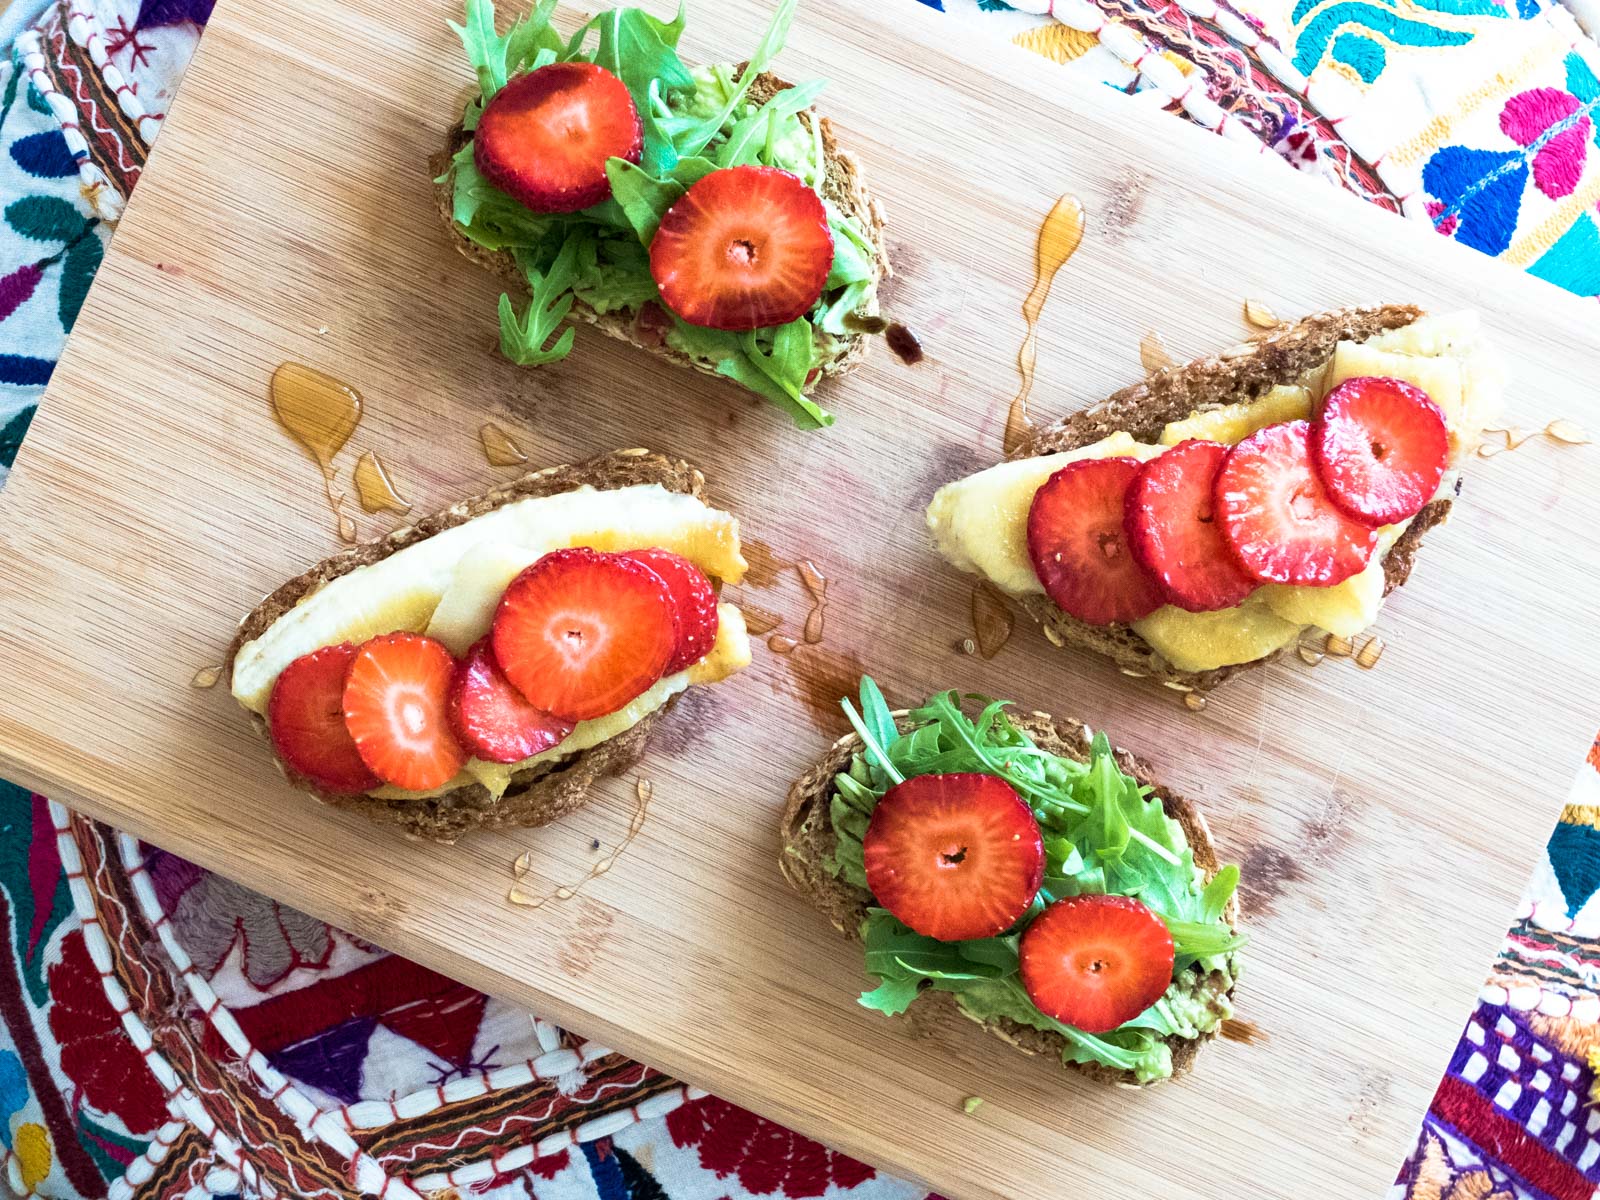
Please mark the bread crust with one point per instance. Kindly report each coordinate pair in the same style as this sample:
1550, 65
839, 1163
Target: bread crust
842, 184
809, 842
542, 793
1143, 409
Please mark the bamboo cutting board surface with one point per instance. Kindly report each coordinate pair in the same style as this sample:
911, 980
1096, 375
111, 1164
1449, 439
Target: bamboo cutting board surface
1385, 819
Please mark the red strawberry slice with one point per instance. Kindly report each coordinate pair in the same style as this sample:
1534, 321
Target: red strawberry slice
397, 708
1277, 516
581, 633
1173, 532
1095, 962
491, 719
1380, 446
545, 137
954, 856
305, 716
743, 248
694, 599
1079, 546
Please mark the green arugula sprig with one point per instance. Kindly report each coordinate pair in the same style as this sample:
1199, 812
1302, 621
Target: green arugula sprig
693, 124
1102, 832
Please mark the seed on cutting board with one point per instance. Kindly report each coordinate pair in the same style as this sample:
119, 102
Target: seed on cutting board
1258, 314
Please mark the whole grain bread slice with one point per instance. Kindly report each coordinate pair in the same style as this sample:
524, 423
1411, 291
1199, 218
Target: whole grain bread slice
542, 793
809, 842
842, 184
1241, 372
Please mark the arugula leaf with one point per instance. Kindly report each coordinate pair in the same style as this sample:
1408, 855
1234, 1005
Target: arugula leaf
893, 996
495, 58
523, 338
644, 199
750, 141
488, 216
693, 139
792, 357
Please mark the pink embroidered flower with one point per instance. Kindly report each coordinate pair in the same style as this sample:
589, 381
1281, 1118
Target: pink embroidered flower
1447, 226
1558, 163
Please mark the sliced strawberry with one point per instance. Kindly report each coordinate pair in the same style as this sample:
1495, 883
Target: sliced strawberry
1277, 516
1380, 446
1079, 546
954, 856
744, 248
397, 708
1095, 962
581, 633
694, 599
545, 137
1173, 531
491, 719
305, 716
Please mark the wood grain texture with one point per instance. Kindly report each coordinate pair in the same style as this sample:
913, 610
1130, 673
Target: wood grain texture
1385, 819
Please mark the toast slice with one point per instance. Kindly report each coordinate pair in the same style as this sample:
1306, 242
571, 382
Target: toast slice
548, 790
842, 184
809, 843
1242, 372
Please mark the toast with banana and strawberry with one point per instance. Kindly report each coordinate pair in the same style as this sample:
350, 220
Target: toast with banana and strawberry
1019, 870
707, 215
487, 665
1202, 521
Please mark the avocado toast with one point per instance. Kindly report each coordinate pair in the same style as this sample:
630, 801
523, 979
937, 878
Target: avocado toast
1107, 833
795, 212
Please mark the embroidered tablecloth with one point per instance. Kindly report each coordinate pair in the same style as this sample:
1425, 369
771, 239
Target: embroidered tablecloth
165, 1032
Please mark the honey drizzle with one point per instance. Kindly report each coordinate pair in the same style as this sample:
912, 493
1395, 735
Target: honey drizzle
1059, 239
1369, 654
375, 486
758, 620
320, 413
817, 584
499, 447
992, 621
779, 644
644, 791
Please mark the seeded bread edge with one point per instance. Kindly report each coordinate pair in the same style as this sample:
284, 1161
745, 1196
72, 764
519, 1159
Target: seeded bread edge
542, 793
809, 842
842, 184
1241, 372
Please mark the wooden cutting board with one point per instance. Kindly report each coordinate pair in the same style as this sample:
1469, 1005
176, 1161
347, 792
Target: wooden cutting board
1385, 819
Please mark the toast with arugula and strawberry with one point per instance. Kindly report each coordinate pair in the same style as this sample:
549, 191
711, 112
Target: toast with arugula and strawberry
707, 216
488, 664
1019, 870
1204, 520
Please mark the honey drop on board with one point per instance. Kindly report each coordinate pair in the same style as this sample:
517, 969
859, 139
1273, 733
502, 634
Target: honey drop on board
320, 413
1059, 239
499, 447
206, 677
992, 621
316, 410
375, 486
